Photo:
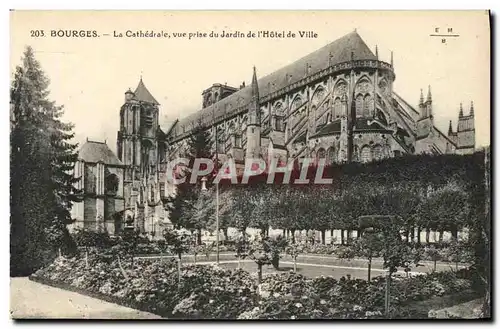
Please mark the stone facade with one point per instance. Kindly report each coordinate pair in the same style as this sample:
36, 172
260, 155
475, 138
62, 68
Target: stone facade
336, 103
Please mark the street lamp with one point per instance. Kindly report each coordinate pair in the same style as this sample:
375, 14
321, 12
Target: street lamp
204, 188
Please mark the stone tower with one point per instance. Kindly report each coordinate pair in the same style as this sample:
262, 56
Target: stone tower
253, 126
466, 132
137, 148
425, 121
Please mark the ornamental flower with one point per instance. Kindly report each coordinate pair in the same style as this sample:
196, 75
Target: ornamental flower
211, 301
357, 308
276, 295
322, 302
298, 305
293, 317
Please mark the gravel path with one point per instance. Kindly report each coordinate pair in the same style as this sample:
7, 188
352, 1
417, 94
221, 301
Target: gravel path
31, 300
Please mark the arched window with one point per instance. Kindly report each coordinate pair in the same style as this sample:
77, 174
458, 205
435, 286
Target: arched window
377, 152
331, 155
321, 154
359, 105
337, 108
279, 124
297, 102
366, 154
111, 183
237, 140
367, 105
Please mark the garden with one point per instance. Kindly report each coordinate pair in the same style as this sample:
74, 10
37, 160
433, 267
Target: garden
398, 274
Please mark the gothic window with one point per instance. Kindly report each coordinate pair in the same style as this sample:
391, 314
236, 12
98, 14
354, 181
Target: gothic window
359, 105
330, 155
148, 118
367, 105
146, 147
318, 96
237, 141
340, 88
111, 184
279, 124
382, 86
377, 152
337, 108
297, 102
366, 154
152, 193
321, 154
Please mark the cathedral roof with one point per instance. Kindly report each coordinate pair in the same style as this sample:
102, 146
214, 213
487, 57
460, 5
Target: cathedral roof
348, 47
142, 94
94, 152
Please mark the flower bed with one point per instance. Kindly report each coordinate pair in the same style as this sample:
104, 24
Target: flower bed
211, 292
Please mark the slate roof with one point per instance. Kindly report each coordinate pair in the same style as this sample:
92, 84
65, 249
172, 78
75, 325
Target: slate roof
94, 152
142, 94
335, 52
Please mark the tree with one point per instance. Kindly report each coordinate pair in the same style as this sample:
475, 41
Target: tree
243, 201
178, 241
183, 213
202, 215
42, 159
369, 245
242, 247
294, 250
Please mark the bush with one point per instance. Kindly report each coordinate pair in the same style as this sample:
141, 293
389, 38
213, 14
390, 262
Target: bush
208, 292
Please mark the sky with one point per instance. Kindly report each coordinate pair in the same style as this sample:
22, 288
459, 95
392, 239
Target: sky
89, 76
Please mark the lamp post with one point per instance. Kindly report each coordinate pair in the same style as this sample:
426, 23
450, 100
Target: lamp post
204, 188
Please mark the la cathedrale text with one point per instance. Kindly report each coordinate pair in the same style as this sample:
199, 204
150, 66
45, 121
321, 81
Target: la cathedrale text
224, 34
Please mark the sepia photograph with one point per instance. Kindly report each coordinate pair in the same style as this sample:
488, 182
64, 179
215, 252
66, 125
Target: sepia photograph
250, 165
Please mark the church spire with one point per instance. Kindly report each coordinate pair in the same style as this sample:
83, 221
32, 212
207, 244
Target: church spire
421, 102
255, 86
461, 113
429, 95
254, 108
392, 59
472, 108
376, 51
450, 129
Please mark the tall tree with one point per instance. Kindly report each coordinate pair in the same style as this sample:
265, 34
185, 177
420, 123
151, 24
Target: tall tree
186, 204
42, 158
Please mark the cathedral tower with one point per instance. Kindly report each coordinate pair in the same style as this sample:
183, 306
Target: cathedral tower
466, 132
254, 124
425, 121
137, 148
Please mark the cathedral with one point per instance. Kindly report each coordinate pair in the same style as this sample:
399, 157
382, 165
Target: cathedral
336, 103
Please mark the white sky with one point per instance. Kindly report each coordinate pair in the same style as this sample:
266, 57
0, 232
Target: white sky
90, 76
